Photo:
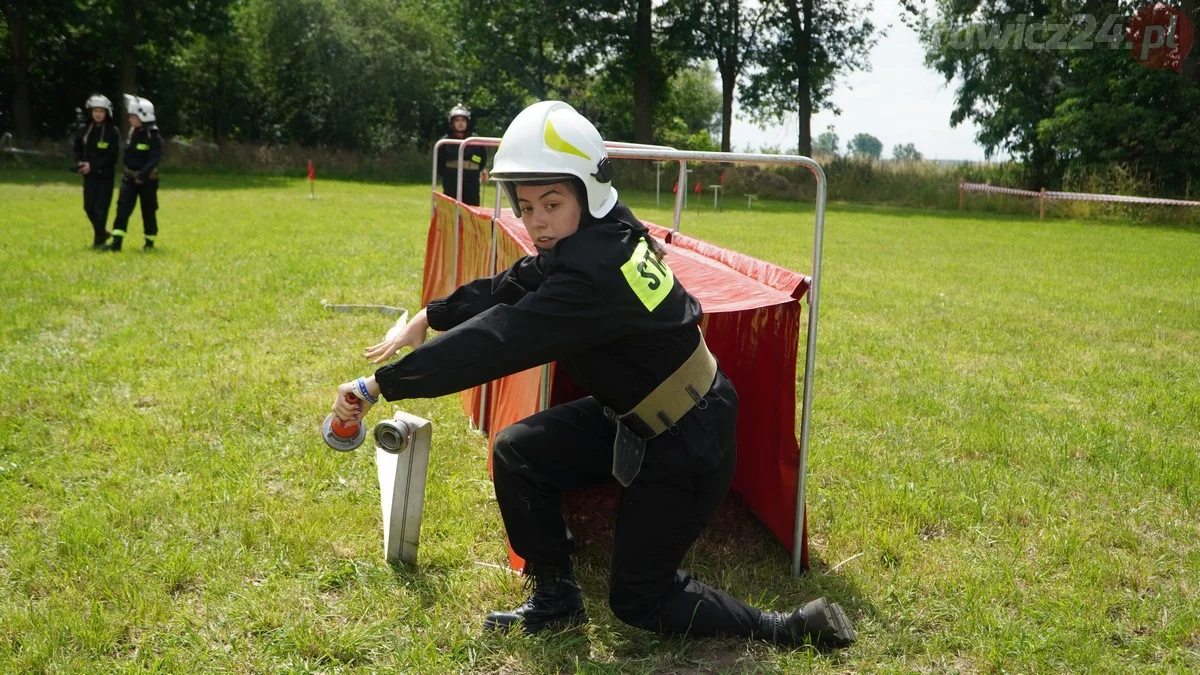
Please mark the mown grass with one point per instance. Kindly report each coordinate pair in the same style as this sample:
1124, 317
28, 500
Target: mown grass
1004, 455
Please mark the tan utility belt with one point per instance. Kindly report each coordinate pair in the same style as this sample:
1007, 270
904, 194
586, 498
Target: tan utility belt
130, 173
466, 165
683, 390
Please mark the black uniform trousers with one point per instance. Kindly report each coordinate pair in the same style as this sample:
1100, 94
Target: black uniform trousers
97, 198
470, 193
131, 193
685, 475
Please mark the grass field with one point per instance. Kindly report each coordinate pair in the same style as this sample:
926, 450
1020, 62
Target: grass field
1005, 448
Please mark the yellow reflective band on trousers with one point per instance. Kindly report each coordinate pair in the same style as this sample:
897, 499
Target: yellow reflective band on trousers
649, 277
559, 144
118, 233
151, 237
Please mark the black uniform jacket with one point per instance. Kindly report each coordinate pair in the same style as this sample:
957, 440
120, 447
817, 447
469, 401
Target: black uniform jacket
98, 145
144, 151
474, 160
600, 303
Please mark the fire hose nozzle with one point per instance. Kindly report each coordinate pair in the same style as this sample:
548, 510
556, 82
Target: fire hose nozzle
341, 437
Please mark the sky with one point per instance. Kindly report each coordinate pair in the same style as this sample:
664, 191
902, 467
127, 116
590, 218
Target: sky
898, 100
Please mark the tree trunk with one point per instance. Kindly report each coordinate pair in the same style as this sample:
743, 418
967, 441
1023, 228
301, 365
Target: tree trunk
128, 58
218, 109
643, 93
18, 63
728, 80
728, 63
1039, 159
801, 55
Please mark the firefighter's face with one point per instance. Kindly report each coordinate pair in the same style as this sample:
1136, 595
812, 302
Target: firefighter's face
459, 123
551, 213
99, 114
135, 122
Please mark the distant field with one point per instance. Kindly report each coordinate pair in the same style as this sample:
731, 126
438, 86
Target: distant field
1005, 447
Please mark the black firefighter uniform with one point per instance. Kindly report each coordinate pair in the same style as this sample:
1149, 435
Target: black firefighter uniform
474, 161
98, 145
143, 152
612, 314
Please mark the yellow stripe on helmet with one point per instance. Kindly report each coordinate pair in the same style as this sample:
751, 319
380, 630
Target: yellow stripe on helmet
559, 144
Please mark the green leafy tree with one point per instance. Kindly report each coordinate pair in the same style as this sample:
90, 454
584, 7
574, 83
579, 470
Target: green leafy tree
46, 66
827, 143
512, 53
1006, 89
906, 152
722, 31
805, 46
1066, 109
329, 71
865, 145
689, 114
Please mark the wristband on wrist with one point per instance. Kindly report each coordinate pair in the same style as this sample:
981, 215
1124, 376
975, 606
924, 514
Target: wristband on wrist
363, 393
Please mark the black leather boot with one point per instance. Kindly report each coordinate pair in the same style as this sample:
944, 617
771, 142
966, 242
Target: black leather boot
820, 623
556, 602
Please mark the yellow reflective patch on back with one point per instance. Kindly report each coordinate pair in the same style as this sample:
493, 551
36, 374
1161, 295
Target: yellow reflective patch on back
143, 146
649, 277
102, 145
559, 144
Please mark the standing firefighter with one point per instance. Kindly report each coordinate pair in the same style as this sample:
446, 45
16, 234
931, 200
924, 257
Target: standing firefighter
96, 148
143, 151
474, 159
599, 299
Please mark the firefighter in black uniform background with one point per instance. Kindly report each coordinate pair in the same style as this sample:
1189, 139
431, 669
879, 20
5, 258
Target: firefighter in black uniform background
474, 159
143, 151
96, 148
599, 299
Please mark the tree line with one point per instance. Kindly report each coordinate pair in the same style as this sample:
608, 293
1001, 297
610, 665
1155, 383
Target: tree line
371, 75
374, 75
1071, 86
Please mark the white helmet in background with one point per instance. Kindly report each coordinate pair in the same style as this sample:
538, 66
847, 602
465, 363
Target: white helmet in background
141, 107
549, 140
99, 101
459, 110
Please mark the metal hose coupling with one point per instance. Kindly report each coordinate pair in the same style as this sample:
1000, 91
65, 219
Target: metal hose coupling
393, 435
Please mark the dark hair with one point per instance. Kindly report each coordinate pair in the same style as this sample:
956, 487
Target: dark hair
587, 218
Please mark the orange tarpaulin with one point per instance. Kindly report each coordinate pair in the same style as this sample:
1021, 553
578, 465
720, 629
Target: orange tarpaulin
474, 262
751, 323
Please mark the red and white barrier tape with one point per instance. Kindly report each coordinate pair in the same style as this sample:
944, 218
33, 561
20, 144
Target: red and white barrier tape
1076, 196
980, 187
1125, 199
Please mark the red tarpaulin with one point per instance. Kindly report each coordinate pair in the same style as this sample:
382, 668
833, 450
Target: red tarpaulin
751, 323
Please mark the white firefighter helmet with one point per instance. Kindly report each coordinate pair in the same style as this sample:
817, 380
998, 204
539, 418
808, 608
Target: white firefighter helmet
100, 101
141, 107
459, 110
549, 140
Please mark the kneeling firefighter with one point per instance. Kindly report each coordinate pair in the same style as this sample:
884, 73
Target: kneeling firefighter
599, 299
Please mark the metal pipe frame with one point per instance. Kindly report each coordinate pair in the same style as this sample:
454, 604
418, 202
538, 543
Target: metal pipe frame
652, 153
